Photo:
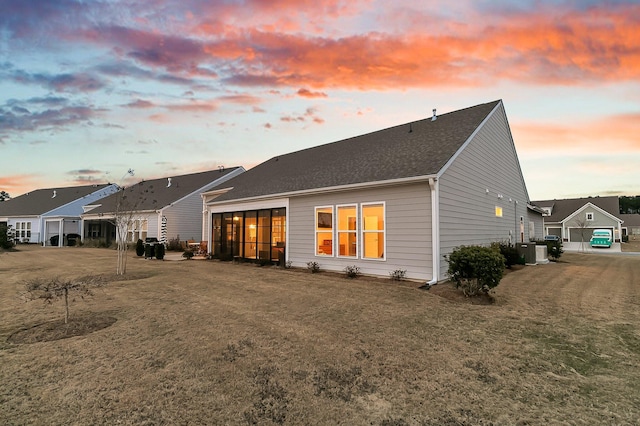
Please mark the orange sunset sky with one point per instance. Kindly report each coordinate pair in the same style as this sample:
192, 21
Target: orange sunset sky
91, 89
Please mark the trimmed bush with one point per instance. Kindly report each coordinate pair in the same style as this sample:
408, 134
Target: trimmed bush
140, 248
188, 254
475, 269
6, 237
510, 253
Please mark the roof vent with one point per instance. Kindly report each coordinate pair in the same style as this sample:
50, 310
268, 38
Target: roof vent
410, 128
168, 182
54, 194
221, 169
435, 117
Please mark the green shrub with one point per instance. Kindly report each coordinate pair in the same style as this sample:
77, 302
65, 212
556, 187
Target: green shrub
6, 240
313, 267
140, 248
510, 253
188, 254
554, 248
352, 271
174, 244
475, 269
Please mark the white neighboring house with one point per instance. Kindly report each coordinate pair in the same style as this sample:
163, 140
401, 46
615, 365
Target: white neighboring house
47, 216
165, 208
397, 199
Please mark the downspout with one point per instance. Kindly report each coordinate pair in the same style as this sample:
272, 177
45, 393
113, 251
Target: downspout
435, 231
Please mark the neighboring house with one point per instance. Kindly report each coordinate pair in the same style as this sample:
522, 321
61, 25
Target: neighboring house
165, 208
631, 226
39, 215
575, 219
396, 199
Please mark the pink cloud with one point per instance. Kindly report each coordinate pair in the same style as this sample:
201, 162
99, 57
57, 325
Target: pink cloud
618, 133
306, 93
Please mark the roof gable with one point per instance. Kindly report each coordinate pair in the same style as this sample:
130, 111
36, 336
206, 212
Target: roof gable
156, 194
561, 209
41, 201
419, 148
594, 207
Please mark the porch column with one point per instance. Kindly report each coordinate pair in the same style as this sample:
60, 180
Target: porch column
60, 233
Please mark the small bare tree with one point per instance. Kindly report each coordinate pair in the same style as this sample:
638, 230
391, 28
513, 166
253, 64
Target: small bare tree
125, 214
582, 225
52, 289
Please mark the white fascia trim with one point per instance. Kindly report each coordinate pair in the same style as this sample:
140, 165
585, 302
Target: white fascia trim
589, 204
468, 141
235, 206
339, 188
218, 181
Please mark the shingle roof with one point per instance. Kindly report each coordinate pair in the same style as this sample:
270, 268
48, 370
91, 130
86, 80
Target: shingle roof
563, 208
419, 148
156, 194
630, 219
41, 201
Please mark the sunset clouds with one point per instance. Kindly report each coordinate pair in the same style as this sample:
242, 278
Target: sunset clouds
104, 71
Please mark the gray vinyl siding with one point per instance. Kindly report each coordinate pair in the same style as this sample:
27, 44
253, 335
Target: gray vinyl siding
184, 219
467, 210
408, 230
536, 218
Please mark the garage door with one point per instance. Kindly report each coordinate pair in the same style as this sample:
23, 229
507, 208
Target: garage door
577, 235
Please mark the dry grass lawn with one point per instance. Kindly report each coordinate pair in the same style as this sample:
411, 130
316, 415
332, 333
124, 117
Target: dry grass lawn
204, 342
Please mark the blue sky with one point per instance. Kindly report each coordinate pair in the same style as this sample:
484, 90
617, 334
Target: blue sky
91, 89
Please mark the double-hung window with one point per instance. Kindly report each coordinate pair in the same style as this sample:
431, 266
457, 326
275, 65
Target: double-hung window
373, 231
324, 231
351, 230
347, 231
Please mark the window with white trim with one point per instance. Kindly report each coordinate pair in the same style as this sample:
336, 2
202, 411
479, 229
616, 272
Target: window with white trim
23, 230
347, 231
324, 231
589, 216
373, 230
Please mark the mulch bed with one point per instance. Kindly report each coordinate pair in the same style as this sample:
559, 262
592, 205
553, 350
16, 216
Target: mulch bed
79, 325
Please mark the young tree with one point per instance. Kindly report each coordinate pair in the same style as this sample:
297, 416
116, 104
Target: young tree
51, 289
582, 225
125, 216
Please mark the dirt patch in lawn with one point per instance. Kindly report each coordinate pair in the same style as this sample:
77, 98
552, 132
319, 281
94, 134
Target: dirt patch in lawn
80, 325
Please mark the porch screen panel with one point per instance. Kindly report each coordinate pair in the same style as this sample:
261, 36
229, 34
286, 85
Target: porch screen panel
251, 235
264, 234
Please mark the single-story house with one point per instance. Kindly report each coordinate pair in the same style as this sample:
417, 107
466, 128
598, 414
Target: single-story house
165, 208
575, 219
631, 226
401, 198
50, 215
